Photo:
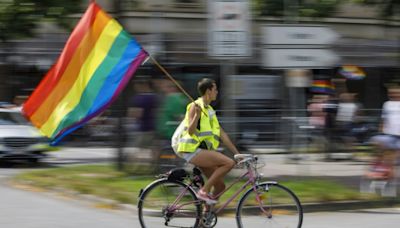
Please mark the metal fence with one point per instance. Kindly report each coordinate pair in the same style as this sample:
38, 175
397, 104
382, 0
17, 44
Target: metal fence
274, 129
285, 129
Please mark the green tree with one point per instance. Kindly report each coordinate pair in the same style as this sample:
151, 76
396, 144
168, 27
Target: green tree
19, 18
387, 8
320, 8
303, 8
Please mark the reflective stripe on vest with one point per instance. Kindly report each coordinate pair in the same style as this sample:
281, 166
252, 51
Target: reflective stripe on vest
209, 131
192, 141
205, 133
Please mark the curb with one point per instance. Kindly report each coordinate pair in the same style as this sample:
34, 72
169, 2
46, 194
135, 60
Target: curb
339, 206
85, 199
98, 202
349, 205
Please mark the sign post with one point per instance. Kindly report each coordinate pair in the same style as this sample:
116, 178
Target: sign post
229, 33
229, 38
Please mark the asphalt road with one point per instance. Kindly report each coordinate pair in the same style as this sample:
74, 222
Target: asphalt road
27, 208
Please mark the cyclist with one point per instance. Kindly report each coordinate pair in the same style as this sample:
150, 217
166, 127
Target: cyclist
201, 138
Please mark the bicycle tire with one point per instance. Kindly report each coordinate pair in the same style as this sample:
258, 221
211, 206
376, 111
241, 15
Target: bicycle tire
280, 207
160, 195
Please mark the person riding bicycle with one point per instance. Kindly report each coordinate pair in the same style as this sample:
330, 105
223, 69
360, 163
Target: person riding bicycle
200, 140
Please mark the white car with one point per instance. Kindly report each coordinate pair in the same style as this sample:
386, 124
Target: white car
19, 140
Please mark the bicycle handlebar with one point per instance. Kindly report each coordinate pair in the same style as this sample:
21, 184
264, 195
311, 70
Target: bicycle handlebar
245, 158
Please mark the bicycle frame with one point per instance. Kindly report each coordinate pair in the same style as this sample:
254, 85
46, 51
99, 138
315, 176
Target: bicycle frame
252, 178
186, 205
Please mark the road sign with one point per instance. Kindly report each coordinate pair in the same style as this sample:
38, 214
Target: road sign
298, 58
229, 29
290, 46
298, 35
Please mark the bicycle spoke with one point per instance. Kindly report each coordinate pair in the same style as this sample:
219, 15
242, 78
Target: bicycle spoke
168, 204
171, 203
270, 206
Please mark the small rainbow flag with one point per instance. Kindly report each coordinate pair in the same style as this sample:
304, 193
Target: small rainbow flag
352, 72
95, 65
322, 86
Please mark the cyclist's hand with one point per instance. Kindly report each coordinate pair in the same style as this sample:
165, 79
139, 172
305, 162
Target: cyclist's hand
238, 158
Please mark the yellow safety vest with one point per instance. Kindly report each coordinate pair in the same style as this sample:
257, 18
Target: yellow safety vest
209, 130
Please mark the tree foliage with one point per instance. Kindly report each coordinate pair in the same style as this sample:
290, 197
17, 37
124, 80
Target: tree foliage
19, 18
320, 8
303, 8
388, 8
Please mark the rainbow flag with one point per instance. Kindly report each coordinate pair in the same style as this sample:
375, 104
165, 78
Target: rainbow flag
95, 65
322, 86
352, 72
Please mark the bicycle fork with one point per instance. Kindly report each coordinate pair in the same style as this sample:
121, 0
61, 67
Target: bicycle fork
260, 202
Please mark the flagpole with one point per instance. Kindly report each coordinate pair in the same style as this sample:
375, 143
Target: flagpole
170, 77
173, 80
120, 110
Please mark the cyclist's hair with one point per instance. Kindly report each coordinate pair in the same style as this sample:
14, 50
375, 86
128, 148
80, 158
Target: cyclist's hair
204, 84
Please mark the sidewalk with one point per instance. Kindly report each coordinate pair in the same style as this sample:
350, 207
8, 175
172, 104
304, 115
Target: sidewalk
278, 167
310, 165
275, 164
348, 172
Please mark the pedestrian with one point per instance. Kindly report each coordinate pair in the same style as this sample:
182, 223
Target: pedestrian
142, 110
348, 109
172, 110
200, 140
388, 142
317, 114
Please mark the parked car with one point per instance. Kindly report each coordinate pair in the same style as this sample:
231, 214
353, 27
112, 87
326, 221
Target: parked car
19, 140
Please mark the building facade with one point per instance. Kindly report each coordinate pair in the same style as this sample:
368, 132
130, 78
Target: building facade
175, 31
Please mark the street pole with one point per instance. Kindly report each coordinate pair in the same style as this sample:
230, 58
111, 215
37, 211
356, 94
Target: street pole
296, 94
119, 109
229, 39
227, 71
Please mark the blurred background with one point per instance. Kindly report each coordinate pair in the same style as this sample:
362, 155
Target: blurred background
301, 84
283, 68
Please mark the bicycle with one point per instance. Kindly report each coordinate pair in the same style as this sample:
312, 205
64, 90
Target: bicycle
171, 201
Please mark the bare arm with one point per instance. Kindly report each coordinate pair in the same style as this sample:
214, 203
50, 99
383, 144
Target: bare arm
194, 116
228, 143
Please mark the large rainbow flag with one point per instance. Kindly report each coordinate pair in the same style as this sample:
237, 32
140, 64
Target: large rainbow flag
95, 65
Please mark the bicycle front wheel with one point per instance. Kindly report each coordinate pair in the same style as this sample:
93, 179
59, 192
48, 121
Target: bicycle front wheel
269, 205
167, 203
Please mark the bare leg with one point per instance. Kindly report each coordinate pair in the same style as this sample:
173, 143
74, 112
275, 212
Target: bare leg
207, 159
219, 186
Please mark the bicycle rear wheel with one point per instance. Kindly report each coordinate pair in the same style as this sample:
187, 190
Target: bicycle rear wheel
166, 203
270, 205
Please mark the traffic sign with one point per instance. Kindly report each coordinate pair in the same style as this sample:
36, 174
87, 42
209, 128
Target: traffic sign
229, 29
291, 46
298, 58
298, 35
